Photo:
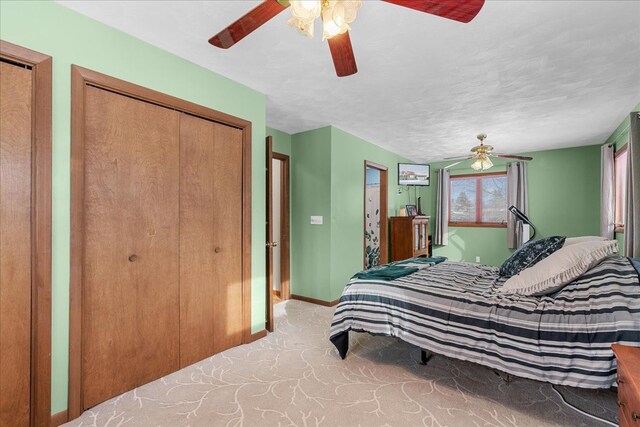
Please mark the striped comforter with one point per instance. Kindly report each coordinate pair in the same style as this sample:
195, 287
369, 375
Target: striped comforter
453, 309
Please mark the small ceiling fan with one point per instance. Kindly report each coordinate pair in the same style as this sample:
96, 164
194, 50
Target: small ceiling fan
482, 154
336, 16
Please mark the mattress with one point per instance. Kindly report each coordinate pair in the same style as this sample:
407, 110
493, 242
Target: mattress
453, 309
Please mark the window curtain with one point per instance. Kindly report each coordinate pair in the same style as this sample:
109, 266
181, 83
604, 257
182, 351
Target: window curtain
632, 212
517, 196
442, 209
607, 188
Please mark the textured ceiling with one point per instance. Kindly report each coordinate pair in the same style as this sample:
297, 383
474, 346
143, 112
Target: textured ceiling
532, 75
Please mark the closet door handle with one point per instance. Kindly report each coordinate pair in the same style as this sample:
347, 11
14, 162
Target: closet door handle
217, 250
133, 258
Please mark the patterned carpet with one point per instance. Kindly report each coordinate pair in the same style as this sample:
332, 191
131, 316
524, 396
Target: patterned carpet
294, 377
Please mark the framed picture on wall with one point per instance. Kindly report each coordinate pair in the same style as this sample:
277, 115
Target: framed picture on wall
413, 174
412, 210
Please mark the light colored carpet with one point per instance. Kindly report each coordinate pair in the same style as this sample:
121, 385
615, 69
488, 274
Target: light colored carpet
294, 377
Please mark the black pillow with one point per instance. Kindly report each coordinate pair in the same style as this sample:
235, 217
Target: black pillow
530, 254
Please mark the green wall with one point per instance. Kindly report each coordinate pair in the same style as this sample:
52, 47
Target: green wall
619, 137
327, 178
311, 195
281, 141
71, 38
348, 154
564, 199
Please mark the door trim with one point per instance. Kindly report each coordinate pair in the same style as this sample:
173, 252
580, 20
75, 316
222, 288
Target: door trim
384, 206
40, 404
285, 226
80, 79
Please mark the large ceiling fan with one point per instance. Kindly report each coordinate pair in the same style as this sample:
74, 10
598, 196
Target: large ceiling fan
336, 16
482, 154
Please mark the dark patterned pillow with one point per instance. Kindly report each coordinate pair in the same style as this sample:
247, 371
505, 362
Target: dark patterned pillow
530, 254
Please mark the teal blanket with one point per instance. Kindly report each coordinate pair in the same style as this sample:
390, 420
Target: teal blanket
398, 269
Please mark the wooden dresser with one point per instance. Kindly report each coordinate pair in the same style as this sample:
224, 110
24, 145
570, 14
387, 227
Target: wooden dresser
628, 384
409, 237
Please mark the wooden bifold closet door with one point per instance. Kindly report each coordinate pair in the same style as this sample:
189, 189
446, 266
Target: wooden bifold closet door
25, 237
162, 272
210, 230
15, 244
130, 315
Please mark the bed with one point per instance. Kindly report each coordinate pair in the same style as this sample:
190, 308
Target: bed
454, 309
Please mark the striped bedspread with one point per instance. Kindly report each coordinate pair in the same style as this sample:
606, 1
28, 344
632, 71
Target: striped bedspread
452, 309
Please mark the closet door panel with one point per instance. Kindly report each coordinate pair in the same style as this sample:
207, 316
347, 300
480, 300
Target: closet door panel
15, 244
198, 287
130, 310
227, 235
210, 238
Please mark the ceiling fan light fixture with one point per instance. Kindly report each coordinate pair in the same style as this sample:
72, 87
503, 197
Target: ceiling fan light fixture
304, 27
304, 14
306, 10
337, 15
333, 20
482, 163
351, 9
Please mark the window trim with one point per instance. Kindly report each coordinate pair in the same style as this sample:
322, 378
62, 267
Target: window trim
618, 228
478, 177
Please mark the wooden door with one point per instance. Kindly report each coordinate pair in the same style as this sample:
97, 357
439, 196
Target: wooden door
160, 239
130, 299
15, 244
281, 238
269, 244
210, 238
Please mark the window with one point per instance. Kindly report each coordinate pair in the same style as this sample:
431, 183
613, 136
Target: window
620, 167
478, 200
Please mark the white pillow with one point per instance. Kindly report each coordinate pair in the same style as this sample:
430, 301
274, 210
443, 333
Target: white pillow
573, 240
561, 267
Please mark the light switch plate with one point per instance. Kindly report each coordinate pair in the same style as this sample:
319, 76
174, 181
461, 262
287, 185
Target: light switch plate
316, 220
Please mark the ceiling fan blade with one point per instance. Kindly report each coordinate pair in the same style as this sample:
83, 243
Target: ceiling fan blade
458, 10
509, 156
342, 54
454, 164
247, 24
459, 158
